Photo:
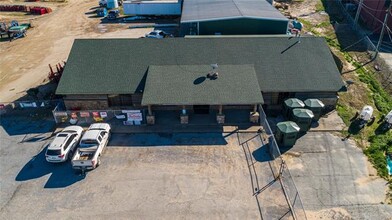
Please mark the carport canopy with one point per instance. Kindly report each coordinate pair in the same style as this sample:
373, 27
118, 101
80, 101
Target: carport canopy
190, 85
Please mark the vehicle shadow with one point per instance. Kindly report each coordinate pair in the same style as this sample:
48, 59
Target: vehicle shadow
61, 175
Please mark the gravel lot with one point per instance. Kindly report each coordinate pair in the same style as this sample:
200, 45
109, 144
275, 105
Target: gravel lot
137, 179
184, 176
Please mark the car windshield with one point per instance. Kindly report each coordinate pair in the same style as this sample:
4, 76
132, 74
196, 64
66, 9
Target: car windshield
53, 152
88, 142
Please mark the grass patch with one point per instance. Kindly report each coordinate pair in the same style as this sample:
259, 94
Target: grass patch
380, 143
320, 6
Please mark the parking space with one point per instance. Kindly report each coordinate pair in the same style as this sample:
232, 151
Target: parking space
335, 180
154, 176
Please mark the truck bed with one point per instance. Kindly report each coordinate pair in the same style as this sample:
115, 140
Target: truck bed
86, 155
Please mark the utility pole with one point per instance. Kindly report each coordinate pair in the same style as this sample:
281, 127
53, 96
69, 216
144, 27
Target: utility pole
357, 14
388, 11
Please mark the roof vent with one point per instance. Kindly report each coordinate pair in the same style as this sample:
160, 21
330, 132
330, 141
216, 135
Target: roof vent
213, 74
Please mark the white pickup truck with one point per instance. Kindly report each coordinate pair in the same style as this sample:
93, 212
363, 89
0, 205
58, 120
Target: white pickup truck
91, 146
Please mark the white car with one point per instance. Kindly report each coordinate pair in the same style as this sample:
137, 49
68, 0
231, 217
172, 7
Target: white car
64, 144
158, 34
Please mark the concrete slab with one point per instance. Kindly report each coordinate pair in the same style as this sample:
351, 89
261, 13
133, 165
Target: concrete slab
334, 176
329, 122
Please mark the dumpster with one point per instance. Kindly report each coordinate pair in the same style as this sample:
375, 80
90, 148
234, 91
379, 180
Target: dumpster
289, 105
286, 133
303, 118
316, 106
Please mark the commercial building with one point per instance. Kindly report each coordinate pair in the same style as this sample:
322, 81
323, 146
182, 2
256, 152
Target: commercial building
179, 74
231, 17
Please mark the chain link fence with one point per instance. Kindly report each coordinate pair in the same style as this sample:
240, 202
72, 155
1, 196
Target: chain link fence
366, 38
30, 108
281, 171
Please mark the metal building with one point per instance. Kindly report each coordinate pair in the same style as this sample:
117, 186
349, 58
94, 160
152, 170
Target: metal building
231, 17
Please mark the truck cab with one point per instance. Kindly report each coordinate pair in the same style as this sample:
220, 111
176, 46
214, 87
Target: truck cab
91, 146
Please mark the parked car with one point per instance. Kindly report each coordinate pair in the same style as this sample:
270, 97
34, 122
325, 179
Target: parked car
158, 34
64, 144
113, 14
92, 144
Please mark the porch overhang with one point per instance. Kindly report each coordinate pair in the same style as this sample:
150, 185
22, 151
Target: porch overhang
191, 85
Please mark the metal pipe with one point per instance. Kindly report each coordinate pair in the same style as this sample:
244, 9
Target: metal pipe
358, 12
383, 28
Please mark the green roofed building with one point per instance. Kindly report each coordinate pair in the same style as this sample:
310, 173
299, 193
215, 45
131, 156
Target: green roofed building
231, 17
198, 74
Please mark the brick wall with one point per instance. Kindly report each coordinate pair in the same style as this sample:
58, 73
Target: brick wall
86, 102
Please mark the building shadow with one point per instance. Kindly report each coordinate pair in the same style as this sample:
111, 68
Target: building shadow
32, 113
167, 139
61, 175
28, 124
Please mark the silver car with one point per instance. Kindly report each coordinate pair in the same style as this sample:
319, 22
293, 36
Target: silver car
64, 144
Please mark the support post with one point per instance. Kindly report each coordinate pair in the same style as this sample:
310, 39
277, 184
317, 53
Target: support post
357, 14
149, 110
183, 109
220, 109
383, 28
255, 108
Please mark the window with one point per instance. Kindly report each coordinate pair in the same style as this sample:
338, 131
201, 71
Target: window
89, 142
100, 137
53, 152
69, 141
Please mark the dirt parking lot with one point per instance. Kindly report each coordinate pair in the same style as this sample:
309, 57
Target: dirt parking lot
24, 62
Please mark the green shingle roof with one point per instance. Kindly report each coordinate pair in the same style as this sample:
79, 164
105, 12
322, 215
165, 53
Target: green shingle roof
119, 66
189, 85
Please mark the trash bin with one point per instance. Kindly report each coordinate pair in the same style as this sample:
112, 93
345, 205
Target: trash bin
303, 118
289, 105
316, 106
286, 133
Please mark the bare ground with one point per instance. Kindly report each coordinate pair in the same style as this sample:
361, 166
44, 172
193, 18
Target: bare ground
24, 62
